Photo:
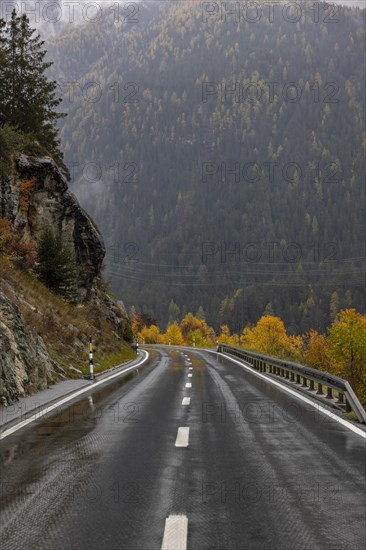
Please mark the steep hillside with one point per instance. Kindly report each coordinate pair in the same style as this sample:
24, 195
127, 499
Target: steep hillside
43, 337
156, 128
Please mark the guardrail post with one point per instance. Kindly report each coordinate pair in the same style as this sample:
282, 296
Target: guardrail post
329, 393
320, 389
304, 382
311, 387
287, 374
292, 377
340, 397
298, 381
348, 406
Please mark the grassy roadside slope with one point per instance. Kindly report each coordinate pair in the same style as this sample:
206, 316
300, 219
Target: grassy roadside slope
65, 328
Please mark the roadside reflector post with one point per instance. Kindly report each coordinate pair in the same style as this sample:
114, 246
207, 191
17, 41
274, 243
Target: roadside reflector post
91, 364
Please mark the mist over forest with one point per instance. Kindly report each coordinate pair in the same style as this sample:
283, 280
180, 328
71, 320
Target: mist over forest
221, 158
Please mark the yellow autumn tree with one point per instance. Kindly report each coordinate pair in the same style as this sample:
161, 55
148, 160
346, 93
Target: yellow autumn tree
196, 332
174, 335
197, 339
317, 351
190, 324
224, 337
347, 349
150, 335
269, 336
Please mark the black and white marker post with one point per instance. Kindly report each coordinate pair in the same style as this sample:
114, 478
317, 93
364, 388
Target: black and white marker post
91, 365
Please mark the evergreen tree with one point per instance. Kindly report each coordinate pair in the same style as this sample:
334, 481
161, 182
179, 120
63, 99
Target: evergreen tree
334, 306
28, 99
56, 265
201, 314
4, 83
173, 313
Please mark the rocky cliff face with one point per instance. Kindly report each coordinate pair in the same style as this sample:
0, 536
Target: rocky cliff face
25, 365
34, 195
50, 202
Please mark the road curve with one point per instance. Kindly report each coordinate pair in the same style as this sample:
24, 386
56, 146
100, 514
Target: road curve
241, 463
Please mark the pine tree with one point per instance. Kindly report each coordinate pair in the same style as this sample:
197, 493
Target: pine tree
334, 306
28, 99
4, 82
173, 313
201, 314
56, 265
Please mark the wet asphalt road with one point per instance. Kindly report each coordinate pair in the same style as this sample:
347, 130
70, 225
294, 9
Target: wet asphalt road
262, 470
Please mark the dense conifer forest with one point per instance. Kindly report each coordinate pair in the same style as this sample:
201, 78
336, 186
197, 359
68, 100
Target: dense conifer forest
222, 157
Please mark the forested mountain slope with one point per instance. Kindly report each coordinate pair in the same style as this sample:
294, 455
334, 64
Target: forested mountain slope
152, 137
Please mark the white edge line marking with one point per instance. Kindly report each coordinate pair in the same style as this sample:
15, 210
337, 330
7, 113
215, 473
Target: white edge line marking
182, 439
190, 368
45, 411
186, 401
175, 533
190, 375
188, 385
303, 398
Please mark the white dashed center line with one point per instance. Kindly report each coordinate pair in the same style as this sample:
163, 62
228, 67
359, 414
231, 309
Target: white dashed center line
186, 401
182, 437
175, 533
190, 375
189, 385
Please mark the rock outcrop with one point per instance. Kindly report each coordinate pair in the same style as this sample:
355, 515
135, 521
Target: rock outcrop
25, 365
50, 203
35, 195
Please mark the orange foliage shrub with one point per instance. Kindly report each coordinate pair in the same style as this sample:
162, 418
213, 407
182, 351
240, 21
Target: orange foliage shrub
26, 189
12, 248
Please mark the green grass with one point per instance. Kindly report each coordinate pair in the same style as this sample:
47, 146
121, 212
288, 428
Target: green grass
350, 415
64, 327
110, 360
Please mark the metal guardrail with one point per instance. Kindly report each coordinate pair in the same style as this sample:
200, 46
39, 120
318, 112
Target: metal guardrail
305, 377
